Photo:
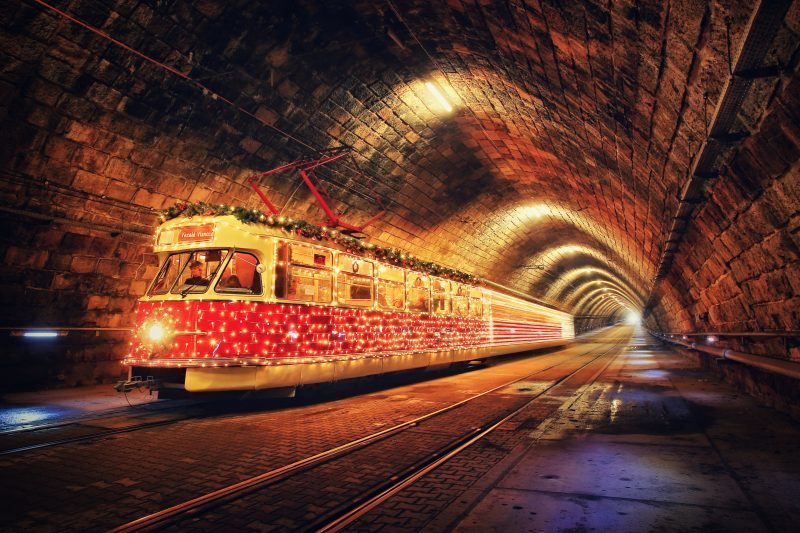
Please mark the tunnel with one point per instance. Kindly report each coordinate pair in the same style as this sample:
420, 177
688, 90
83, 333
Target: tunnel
627, 165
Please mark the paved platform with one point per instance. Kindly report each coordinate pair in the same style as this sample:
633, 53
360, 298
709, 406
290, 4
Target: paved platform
24, 409
654, 445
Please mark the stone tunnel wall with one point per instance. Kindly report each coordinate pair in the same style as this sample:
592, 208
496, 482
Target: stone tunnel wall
93, 141
738, 269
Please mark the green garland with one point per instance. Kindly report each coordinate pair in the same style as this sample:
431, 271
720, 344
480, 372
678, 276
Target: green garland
312, 231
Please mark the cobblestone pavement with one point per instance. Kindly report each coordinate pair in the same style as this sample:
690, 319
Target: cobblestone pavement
100, 484
655, 444
336, 485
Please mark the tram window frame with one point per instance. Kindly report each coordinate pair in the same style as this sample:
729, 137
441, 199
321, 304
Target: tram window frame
414, 289
286, 265
476, 299
159, 287
354, 268
459, 300
389, 276
195, 255
256, 285
440, 295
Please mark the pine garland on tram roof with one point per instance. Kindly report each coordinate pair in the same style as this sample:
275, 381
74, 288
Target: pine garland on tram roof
312, 231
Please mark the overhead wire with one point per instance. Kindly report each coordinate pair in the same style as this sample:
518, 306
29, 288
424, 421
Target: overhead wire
206, 90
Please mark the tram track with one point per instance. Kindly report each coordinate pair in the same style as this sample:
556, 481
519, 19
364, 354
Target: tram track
334, 519
353, 511
89, 429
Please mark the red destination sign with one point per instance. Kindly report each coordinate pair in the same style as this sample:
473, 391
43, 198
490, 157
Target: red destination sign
196, 233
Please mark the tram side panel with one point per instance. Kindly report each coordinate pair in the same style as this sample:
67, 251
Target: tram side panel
245, 341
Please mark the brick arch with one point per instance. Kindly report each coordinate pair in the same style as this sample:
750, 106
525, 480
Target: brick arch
569, 296
593, 295
566, 116
570, 280
565, 256
603, 284
600, 307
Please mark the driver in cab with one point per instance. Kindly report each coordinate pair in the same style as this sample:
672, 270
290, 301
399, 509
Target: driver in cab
196, 271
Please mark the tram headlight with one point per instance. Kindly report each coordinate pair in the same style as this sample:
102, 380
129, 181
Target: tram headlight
156, 333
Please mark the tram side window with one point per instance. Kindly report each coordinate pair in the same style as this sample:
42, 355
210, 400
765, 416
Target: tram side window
475, 303
169, 273
418, 292
303, 273
240, 275
460, 300
440, 292
391, 288
354, 281
201, 268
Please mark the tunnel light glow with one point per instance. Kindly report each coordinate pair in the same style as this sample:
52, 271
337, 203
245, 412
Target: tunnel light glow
40, 334
632, 317
711, 339
534, 211
439, 96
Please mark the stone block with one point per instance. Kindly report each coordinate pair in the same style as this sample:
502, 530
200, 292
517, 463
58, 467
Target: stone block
26, 257
90, 159
75, 243
149, 199
108, 267
65, 281
83, 264
89, 181
119, 190
96, 302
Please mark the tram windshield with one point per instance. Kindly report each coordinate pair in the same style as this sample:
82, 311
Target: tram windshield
188, 272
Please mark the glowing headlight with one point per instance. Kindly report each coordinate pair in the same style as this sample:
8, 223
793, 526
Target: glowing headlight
156, 332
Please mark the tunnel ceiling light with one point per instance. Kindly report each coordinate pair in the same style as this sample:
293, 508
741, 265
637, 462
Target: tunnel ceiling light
38, 333
437, 94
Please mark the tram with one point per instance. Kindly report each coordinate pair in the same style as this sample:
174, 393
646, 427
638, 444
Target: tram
249, 303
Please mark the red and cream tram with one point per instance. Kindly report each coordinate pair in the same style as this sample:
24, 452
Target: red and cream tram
261, 305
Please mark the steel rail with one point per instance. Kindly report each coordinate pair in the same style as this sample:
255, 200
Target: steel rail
438, 458
87, 422
84, 438
166, 516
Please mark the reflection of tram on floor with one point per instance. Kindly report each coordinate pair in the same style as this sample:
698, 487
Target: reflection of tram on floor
247, 306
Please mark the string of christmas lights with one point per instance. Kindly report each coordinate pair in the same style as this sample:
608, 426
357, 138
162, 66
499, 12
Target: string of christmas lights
320, 233
261, 333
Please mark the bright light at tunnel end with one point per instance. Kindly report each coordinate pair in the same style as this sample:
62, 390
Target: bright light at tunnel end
633, 318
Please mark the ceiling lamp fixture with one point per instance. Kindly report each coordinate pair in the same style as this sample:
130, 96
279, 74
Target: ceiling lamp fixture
439, 96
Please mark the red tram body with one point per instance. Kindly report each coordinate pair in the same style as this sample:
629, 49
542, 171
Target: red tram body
265, 309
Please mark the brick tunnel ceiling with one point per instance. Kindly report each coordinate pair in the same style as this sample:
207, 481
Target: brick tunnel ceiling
558, 172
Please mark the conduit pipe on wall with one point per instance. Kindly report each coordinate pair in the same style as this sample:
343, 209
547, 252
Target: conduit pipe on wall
764, 24
777, 366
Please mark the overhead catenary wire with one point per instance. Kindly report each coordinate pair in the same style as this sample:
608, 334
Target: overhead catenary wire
206, 90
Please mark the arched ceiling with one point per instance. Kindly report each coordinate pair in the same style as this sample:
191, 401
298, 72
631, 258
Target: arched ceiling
572, 131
